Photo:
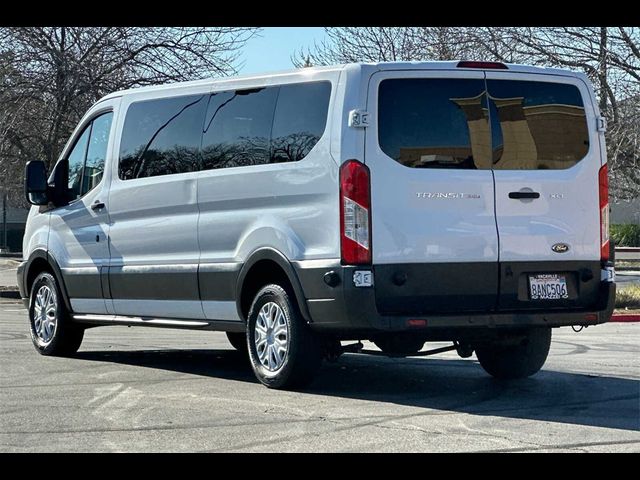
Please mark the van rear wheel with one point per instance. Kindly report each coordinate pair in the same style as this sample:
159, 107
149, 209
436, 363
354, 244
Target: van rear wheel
283, 350
508, 361
52, 331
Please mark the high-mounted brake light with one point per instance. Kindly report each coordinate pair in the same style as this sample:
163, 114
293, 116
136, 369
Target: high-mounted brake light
355, 213
603, 180
494, 65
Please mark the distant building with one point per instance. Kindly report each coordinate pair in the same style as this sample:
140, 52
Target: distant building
16, 218
626, 212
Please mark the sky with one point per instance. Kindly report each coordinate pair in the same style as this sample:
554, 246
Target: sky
272, 50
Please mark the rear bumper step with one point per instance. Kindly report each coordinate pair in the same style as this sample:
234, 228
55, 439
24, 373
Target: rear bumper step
347, 308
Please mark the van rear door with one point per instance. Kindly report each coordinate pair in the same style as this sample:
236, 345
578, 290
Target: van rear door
434, 236
546, 158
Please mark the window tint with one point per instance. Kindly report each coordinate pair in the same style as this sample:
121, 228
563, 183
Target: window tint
536, 125
299, 120
434, 123
96, 152
76, 163
238, 128
162, 137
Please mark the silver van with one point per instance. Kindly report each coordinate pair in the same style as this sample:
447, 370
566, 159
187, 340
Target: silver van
396, 202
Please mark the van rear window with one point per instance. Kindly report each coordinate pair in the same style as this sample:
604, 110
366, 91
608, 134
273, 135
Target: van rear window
536, 125
470, 124
430, 123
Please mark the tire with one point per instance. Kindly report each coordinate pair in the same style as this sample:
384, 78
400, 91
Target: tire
238, 340
287, 354
516, 361
399, 344
52, 331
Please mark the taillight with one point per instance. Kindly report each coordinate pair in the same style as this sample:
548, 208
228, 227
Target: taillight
483, 65
355, 213
603, 180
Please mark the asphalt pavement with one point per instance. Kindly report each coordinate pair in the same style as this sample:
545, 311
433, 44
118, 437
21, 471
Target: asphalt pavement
146, 389
8, 271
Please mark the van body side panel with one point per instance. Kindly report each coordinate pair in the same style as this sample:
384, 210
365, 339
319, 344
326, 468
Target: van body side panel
154, 246
36, 232
289, 206
219, 280
241, 213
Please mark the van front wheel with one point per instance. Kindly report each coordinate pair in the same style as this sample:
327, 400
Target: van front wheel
509, 361
283, 350
52, 331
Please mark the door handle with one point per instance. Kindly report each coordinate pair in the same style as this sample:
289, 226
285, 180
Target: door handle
521, 195
97, 205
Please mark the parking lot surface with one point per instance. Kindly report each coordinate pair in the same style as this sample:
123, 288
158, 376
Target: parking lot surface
145, 389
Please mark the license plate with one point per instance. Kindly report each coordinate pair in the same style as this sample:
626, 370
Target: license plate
548, 286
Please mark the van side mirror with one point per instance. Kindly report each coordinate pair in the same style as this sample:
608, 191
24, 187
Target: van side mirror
35, 184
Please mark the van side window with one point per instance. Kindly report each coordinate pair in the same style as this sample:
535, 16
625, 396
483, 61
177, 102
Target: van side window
86, 160
162, 137
536, 125
237, 128
434, 123
96, 152
76, 163
299, 121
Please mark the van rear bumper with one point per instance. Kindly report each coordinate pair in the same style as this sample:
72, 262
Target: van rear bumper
349, 310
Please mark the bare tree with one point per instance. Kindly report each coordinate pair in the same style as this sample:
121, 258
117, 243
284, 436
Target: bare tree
49, 76
623, 150
387, 44
609, 56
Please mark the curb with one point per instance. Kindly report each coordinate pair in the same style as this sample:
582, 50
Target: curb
625, 318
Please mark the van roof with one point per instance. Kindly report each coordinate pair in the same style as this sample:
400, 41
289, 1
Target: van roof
365, 67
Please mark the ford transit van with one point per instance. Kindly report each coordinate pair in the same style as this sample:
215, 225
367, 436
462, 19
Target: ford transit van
399, 203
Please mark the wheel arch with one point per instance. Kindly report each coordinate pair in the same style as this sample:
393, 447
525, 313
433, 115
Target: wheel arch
40, 261
255, 271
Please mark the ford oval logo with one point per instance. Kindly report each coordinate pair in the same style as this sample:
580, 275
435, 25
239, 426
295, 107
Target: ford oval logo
560, 248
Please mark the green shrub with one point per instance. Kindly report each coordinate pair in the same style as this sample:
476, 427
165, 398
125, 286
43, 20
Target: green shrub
628, 297
625, 235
